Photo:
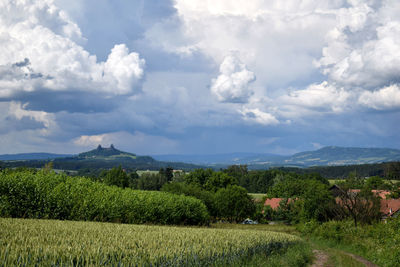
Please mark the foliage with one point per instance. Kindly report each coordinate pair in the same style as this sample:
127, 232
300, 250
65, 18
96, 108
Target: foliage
233, 203
342, 172
199, 177
362, 205
219, 180
193, 190
167, 173
304, 199
94, 163
150, 181
65, 243
392, 170
257, 181
43, 194
115, 176
379, 242
236, 171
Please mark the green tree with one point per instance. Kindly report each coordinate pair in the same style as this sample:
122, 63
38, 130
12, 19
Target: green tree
233, 203
199, 177
375, 182
362, 205
236, 171
151, 181
392, 170
168, 173
116, 176
219, 180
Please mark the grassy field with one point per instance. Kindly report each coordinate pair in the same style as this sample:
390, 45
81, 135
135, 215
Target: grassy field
257, 196
63, 243
140, 172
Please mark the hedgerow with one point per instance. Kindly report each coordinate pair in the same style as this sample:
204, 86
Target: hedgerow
45, 194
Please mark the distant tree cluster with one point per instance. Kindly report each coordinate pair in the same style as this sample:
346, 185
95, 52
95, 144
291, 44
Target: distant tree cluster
219, 191
388, 170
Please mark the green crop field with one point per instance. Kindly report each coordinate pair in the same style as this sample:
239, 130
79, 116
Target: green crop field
27, 242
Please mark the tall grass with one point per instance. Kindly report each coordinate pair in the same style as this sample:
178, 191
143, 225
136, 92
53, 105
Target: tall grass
27, 242
379, 243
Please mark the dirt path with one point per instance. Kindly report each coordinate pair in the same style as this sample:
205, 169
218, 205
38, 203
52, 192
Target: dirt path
321, 259
362, 260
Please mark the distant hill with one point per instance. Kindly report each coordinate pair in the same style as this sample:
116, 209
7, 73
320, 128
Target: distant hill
217, 159
30, 156
102, 153
100, 158
109, 157
327, 156
334, 156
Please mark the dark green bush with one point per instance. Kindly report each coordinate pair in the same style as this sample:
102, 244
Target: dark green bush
45, 194
193, 190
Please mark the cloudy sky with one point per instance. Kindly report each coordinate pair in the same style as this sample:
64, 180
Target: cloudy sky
198, 76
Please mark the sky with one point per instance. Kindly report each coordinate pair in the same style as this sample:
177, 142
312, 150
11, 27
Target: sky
198, 76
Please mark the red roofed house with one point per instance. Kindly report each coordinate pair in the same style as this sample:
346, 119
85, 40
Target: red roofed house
381, 193
390, 207
273, 202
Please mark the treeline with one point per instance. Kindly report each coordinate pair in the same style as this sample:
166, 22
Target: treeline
209, 179
219, 191
225, 192
93, 165
389, 170
27, 193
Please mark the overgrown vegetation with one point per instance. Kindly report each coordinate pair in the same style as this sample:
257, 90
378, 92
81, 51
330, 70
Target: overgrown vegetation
378, 242
225, 200
45, 194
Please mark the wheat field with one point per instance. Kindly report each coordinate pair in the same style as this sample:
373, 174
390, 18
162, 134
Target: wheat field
27, 242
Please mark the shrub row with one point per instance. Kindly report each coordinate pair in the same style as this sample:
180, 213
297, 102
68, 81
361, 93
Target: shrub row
44, 194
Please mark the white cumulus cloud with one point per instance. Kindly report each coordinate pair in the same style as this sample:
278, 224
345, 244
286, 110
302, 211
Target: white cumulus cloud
232, 84
382, 99
320, 97
258, 116
364, 47
40, 34
19, 111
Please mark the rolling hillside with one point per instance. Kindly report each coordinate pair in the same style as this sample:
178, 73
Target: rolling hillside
333, 155
327, 156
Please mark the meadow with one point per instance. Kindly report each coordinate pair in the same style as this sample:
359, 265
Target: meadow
27, 242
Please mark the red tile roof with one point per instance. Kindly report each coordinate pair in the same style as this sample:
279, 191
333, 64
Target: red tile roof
381, 193
390, 206
273, 202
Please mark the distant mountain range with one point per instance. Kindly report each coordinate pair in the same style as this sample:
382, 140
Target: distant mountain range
109, 157
327, 156
224, 159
